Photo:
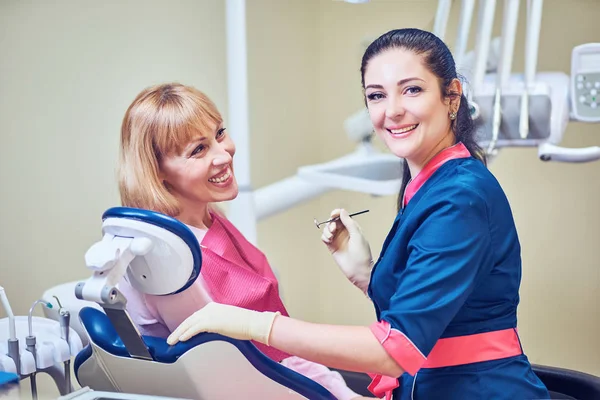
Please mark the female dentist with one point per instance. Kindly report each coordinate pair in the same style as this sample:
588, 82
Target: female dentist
446, 284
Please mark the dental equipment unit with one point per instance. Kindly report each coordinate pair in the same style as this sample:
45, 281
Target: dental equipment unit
64, 321
318, 224
34, 345
531, 109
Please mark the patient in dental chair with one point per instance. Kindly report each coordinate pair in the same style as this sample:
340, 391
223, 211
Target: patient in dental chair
176, 158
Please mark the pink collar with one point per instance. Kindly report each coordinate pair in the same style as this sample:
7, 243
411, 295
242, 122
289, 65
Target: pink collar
450, 153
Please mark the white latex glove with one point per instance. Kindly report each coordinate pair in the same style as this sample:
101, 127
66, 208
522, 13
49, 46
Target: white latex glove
235, 322
349, 248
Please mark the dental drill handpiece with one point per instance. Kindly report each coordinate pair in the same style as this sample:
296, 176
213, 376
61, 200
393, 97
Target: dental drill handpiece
31, 342
64, 318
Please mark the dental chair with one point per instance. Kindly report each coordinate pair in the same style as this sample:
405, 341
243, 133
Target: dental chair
159, 255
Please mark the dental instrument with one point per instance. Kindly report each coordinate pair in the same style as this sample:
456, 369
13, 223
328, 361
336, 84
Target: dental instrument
485, 21
509, 30
441, 18
44, 349
318, 224
464, 27
31, 345
64, 320
534, 20
13, 342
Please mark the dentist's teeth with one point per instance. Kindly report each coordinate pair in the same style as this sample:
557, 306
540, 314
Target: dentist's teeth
221, 179
408, 128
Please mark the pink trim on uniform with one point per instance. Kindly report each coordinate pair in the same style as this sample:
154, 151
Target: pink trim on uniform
470, 349
382, 385
398, 346
402, 350
457, 151
447, 352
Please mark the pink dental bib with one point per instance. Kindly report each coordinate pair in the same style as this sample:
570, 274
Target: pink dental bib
233, 272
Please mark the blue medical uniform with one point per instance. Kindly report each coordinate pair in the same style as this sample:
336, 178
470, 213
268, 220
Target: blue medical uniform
451, 266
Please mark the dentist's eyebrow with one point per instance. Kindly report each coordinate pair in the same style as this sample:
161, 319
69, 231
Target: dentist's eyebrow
400, 83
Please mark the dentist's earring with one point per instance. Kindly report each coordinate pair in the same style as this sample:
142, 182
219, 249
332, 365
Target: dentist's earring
452, 115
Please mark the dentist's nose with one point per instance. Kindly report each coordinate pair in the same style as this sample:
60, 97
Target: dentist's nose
394, 107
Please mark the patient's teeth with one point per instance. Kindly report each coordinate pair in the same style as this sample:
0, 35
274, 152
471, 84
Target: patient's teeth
222, 178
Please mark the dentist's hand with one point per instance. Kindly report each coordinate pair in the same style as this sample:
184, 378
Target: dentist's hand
235, 322
349, 248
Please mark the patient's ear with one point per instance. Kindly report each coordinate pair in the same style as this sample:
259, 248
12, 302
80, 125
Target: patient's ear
163, 179
160, 174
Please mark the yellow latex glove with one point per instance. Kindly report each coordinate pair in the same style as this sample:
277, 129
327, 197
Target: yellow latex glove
235, 322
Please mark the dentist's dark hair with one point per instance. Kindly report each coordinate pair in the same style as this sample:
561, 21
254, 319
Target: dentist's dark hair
438, 59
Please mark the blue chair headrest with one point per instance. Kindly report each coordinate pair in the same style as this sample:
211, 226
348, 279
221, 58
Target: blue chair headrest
169, 223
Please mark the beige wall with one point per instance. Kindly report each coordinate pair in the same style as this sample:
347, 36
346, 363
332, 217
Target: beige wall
69, 70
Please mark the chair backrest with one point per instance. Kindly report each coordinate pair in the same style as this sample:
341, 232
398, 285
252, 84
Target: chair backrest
208, 366
568, 384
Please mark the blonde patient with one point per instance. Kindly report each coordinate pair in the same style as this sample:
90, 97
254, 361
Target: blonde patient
177, 159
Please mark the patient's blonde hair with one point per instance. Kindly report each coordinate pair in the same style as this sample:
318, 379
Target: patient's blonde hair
161, 121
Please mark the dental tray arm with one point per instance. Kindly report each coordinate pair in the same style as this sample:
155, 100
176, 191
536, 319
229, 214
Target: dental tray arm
550, 152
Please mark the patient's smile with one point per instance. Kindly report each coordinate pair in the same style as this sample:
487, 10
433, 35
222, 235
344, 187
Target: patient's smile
222, 177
